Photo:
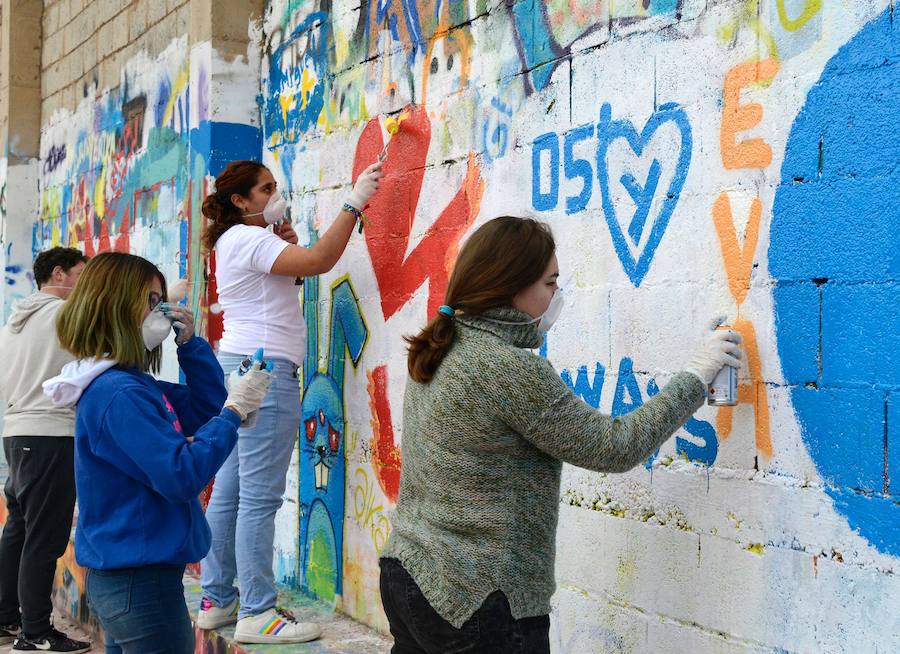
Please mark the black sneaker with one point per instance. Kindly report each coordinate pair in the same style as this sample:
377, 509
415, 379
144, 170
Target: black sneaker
8, 633
53, 641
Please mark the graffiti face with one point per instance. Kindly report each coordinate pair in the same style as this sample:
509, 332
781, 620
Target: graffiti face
323, 431
445, 71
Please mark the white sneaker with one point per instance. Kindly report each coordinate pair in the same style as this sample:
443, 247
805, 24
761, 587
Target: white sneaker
211, 616
275, 626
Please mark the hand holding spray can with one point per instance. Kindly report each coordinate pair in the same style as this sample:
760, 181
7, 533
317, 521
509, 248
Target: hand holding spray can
723, 390
245, 366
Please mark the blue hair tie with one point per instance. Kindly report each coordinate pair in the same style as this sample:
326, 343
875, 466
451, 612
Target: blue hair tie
446, 310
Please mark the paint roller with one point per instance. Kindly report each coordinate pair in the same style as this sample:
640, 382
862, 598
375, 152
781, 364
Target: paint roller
392, 126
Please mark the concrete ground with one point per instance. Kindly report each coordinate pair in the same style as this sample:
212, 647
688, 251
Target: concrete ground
66, 625
340, 634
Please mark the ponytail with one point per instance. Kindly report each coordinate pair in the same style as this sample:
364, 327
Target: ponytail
219, 218
428, 349
504, 256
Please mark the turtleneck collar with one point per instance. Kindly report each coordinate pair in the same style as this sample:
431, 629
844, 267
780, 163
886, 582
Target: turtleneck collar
498, 322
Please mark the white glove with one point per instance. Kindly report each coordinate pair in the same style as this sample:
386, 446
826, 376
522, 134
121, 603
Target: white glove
720, 348
246, 392
365, 187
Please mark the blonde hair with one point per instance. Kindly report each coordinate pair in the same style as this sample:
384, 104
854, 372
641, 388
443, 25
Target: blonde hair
103, 315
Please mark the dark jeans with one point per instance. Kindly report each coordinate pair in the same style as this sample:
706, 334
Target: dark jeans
40, 498
418, 629
142, 610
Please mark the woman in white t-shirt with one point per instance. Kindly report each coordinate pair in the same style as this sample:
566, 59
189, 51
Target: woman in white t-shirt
255, 274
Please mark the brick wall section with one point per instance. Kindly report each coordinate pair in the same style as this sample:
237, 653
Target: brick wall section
86, 44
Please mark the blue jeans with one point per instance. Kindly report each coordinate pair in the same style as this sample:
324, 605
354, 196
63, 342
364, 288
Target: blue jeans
142, 610
246, 495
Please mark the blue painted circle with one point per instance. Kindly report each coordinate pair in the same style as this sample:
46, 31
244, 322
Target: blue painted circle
835, 253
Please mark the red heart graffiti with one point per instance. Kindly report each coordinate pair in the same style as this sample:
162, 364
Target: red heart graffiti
393, 208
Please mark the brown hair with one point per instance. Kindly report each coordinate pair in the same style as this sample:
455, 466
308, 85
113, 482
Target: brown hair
502, 257
102, 317
238, 177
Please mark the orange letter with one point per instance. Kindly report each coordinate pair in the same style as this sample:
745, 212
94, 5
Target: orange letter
753, 393
751, 153
738, 261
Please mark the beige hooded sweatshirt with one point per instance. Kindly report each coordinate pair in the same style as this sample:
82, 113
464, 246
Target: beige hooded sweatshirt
30, 354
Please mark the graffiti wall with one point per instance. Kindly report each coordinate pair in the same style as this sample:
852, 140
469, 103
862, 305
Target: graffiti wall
693, 158
129, 172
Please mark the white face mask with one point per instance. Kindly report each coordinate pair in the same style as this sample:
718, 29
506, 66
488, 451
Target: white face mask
155, 329
545, 320
552, 313
274, 211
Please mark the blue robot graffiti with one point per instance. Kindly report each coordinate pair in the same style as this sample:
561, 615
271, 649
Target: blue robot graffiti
322, 434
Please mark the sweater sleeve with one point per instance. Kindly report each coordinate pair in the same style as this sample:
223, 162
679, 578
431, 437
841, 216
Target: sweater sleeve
203, 395
139, 439
538, 405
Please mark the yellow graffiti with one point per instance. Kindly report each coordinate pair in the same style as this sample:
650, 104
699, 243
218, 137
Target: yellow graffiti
181, 83
748, 15
367, 514
307, 86
286, 100
810, 9
100, 194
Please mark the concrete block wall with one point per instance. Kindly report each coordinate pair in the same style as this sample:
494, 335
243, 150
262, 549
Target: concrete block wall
693, 157
86, 44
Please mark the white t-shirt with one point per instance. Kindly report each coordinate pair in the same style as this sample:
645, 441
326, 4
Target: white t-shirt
260, 309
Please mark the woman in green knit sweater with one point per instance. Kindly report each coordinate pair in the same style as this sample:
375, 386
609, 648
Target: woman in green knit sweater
486, 426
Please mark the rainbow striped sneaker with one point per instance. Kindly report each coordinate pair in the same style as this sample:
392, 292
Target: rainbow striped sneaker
275, 626
211, 616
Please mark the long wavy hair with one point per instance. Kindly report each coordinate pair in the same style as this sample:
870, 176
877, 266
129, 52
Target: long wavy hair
103, 315
502, 257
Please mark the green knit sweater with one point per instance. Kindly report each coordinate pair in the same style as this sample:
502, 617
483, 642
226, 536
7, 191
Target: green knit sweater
482, 449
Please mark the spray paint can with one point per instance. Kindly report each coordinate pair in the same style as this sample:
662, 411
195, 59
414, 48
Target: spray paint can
723, 391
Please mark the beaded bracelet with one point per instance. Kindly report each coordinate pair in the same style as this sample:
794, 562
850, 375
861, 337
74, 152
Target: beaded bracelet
360, 216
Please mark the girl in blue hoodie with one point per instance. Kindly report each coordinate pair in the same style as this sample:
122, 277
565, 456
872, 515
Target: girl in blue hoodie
144, 448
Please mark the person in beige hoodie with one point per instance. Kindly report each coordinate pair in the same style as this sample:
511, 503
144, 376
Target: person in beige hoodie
38, 445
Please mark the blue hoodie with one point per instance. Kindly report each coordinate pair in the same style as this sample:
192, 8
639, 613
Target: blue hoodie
137, 476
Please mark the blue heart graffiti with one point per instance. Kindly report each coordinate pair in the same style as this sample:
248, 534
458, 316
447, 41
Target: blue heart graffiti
608, 130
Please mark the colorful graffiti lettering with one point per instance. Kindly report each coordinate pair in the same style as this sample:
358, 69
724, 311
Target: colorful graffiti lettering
636, 251
297, 71
323, 435
368, 514
700, 445
752, 153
